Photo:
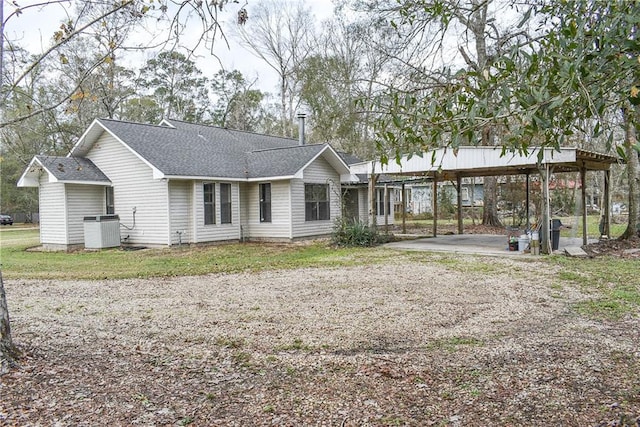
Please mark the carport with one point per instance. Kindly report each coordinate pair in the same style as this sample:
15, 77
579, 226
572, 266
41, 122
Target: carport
446, 164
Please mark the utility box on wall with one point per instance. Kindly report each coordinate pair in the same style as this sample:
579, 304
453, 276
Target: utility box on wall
101, 231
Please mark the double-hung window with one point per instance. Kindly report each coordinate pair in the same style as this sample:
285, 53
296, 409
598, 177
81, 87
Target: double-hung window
316, 202
109, 201
209, 203
265, 202
225, 203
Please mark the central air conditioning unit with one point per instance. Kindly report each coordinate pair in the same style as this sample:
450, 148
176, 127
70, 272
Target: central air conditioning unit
101, 231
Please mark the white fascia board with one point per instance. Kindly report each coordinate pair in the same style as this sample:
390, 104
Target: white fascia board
273, 178
223, 179
157, 174
338, 158
25, 179
84, 136
167, 123
332, 162
349, 179
98, 183
51, 176
565, 155
360, 168
160, 175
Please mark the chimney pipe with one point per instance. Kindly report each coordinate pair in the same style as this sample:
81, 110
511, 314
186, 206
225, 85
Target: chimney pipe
301, 117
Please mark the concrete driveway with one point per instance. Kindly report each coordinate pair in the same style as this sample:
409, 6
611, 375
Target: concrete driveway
487, 244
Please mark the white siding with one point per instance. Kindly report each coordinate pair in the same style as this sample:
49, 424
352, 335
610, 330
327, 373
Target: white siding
280, 225
363, 204
134, 187
53, 223
318, 172
180, 200
243, 189
216, 232
390, 216
363, 194
82, 200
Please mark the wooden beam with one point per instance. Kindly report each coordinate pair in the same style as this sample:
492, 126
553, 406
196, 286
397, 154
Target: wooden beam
583, 178
372, 200
459, 189
404, 210
434, 204
545, 227
607, 203
386, 208
527, 201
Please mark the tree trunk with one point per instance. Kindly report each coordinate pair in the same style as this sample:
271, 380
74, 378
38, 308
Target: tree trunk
490, 201
633, 171
490, 188
8, 351
478, 24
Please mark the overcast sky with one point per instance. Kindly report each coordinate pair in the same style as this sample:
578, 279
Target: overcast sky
34, 28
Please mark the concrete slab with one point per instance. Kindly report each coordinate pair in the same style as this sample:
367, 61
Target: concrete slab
575, 251
483, 244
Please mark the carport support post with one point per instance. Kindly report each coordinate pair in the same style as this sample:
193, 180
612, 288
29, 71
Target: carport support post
527, 200
434, 203
583, 180
459, 185
545, 246
607, 203
404, 210
386, 209
372, 200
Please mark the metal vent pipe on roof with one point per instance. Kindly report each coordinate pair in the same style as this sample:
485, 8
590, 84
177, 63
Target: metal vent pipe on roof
301, 117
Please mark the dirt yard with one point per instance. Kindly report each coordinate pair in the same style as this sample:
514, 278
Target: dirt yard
408, 343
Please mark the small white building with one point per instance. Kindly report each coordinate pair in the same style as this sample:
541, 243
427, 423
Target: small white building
181, 183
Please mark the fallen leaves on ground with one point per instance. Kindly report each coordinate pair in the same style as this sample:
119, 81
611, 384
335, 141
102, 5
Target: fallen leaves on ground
405, 343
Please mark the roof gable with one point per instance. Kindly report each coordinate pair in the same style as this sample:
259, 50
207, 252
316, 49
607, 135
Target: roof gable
185, 150
63, 169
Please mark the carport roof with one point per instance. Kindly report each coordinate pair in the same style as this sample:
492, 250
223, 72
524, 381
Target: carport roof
489, 161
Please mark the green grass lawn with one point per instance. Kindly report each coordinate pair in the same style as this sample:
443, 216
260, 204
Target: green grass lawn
17, 262
612, 280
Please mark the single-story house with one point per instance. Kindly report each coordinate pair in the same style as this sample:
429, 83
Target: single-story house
182, 183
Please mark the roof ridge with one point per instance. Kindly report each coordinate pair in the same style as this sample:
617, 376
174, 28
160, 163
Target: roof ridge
232, 130
134, 123
288, 148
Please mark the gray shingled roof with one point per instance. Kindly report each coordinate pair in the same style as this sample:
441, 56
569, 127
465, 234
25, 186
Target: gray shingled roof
197, 150
280, 161
349, 158
73, 169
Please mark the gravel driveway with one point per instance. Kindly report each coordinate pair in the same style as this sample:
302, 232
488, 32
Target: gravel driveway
462, 341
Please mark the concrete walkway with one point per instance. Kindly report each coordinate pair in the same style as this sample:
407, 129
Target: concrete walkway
484, 244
